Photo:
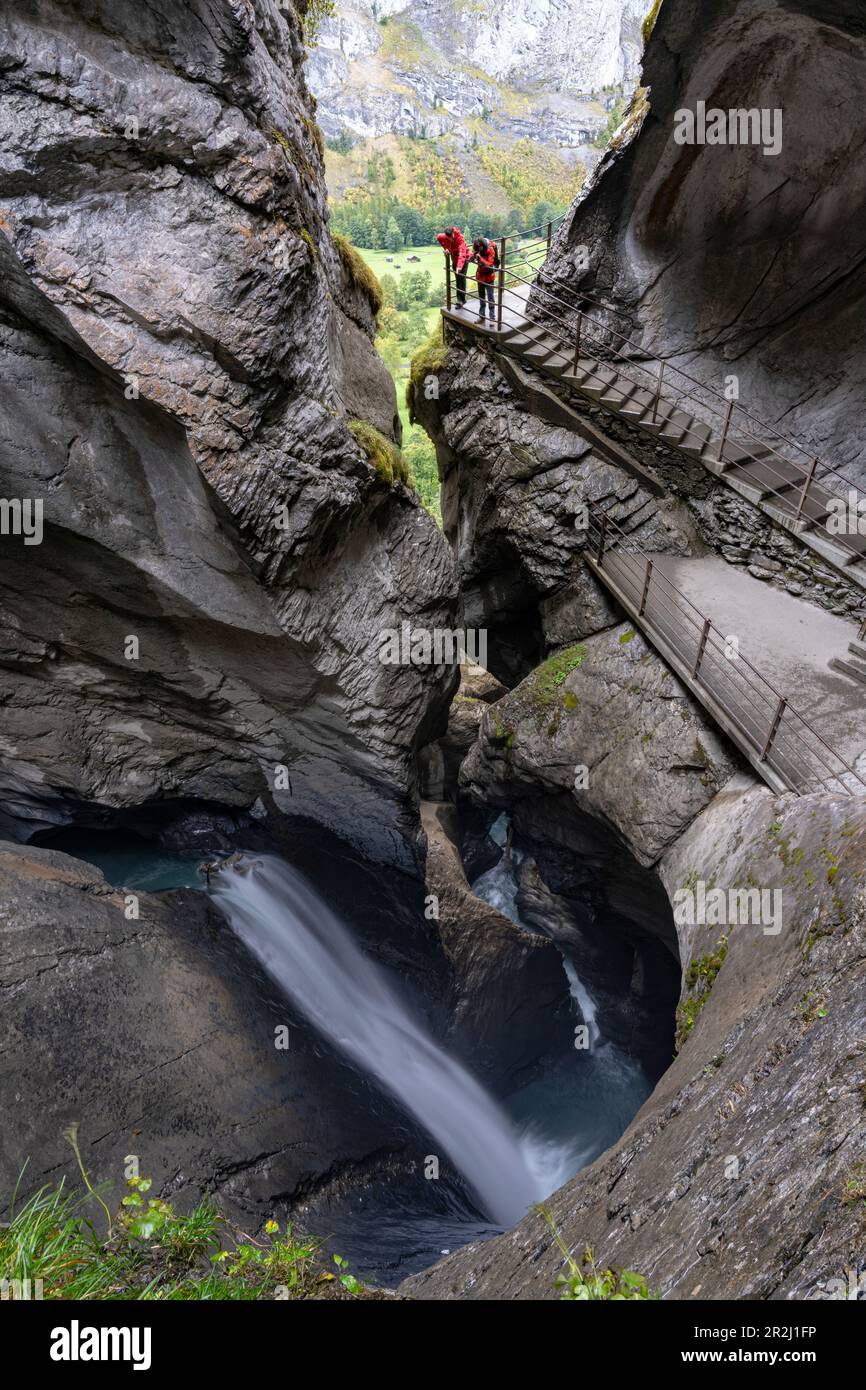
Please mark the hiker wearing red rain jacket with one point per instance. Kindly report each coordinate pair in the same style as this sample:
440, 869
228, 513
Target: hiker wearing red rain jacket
484, 256
454, 245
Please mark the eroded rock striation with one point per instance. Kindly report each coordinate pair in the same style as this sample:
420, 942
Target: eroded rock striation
183, 347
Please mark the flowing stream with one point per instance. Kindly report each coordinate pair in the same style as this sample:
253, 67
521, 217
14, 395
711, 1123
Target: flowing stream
312, 957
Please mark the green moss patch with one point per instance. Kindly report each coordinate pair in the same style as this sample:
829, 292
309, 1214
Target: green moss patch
700, 978
649, 23
358, 271
385, 457
552, 673
431, 358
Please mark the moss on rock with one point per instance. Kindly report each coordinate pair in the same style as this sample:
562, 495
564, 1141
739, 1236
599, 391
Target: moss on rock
358, 271
385, 457
431, 357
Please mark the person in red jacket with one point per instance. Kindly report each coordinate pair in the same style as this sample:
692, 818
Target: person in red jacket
454, 245
484, 256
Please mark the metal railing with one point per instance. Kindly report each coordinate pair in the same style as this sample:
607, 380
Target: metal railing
760, 719
769, 730
739, 439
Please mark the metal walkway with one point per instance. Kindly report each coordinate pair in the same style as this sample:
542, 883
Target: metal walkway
796, 491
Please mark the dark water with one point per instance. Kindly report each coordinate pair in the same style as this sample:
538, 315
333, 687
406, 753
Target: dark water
129, 861
403, 1221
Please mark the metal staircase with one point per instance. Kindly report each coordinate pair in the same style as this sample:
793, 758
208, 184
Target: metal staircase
795, 489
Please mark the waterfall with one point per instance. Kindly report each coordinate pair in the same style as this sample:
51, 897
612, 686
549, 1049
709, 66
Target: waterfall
313, 958
583, 999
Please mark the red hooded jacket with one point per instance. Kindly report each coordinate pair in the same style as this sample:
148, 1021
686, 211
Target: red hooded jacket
455, 247
486, 273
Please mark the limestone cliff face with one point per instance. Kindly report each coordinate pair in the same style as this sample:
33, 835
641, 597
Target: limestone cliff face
183, 347
382, 66
754, 261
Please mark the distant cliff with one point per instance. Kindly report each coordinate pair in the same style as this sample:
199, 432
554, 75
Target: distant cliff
480, 73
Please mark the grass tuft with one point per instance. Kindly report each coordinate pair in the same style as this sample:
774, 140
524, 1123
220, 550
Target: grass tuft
149, 1252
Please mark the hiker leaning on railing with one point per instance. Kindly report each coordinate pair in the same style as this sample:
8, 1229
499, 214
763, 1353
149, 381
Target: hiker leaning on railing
456, 251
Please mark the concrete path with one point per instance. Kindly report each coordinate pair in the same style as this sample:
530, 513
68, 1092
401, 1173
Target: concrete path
789, 641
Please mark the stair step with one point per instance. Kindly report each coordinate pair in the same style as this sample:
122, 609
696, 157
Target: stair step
617, 395
671, 424
854, 542
599, 381
858, 673
538, 354
696, 438
745, 453
773, 477
638, 404
677, 430
858, 648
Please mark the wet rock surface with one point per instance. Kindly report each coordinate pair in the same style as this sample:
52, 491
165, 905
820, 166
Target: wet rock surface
156, 1035
733, 1181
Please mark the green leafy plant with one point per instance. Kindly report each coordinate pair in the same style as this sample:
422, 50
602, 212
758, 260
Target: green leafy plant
316, 12
586, 1282
151, 1252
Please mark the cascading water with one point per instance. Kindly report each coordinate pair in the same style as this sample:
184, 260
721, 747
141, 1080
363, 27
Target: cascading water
313, 958
583, 999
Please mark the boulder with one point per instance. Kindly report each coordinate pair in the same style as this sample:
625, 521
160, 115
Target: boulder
606, 723
511, 992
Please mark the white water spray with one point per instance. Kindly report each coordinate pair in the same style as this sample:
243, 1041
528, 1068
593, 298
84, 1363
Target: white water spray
583, 999
313, 958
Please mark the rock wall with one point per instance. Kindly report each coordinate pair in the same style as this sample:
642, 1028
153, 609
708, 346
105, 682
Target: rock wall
739, 1176
725, 260
156, 1036
182, 349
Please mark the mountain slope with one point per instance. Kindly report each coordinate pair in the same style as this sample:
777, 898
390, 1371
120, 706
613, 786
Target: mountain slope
473, 75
